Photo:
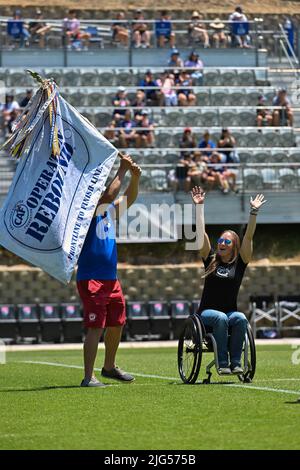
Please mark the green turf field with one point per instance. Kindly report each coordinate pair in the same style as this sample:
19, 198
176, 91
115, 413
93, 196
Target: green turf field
42, 407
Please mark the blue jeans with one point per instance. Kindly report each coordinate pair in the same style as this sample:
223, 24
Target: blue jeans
220, 322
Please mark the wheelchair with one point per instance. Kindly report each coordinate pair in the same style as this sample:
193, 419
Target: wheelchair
195, 340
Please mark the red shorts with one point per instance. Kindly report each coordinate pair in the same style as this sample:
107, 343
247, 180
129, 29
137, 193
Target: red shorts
103, 303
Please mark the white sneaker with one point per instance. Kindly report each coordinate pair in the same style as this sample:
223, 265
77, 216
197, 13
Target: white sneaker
224, 371
237, 370
93, 382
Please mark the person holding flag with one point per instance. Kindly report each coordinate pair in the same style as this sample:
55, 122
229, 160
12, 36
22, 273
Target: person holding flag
97, 282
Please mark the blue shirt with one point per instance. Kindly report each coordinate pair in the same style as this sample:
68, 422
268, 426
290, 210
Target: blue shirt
203, 145
98, 258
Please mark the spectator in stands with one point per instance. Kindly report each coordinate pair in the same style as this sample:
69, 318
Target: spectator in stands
128, 136
199, 173
186, 96
239, 28
111, 134
227, 141
153, 96
146, 135
139, 102
217, 170
9, 112
120, 31
175, 60
17, 29
188, 140
163, 30
38, 29
224, 271
225, 177
169, 95
197, 64
140, 32
24, 101
74, 36
120, 101
263, 116
179, 179
197, 30
284, 116
206, 144
219, 37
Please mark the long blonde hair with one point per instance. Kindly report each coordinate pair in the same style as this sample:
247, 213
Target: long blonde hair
216, 259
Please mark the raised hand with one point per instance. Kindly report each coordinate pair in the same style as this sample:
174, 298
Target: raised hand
135, 170
198, 195
126, 161
258, 201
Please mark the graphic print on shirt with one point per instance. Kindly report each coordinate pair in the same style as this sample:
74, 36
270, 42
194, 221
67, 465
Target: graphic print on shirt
225, 271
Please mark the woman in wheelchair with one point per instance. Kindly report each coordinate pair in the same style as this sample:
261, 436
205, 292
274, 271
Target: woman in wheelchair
224, 271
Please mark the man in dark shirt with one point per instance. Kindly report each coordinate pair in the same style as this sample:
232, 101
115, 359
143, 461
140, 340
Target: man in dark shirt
224, 271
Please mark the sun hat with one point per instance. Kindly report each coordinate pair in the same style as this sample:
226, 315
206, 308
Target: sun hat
217, 24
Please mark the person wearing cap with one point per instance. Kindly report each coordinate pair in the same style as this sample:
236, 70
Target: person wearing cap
283, 116
263, 116
187, 140
153, 96
196, 64
197, 30
175, 59
140, 33
163, 30
219, 38
120, 101
39, 28
17, 29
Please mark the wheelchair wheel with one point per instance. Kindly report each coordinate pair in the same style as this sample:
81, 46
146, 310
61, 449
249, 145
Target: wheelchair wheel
190, 350
251, 353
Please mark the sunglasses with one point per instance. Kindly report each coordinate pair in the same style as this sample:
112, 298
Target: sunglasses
224, 240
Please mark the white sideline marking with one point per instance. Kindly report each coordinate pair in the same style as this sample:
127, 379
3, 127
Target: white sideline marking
268, 389
251, 387
80, 367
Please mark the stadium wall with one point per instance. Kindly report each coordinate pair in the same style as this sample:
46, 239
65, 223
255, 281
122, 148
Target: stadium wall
169, 282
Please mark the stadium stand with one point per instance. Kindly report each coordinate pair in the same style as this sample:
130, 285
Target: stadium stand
227, 96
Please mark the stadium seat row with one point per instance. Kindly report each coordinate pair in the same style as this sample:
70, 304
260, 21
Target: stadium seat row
87, 76
101, 117
63, 322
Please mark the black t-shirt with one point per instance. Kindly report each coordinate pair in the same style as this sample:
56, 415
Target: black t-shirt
221, 287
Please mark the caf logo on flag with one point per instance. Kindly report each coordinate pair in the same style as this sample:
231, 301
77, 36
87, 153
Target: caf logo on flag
92, 316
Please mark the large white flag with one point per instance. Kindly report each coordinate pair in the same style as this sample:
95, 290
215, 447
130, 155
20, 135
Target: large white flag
63, 166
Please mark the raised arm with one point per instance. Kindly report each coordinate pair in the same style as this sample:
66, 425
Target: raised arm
131, 192
247, 245
113, 189
198, 197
